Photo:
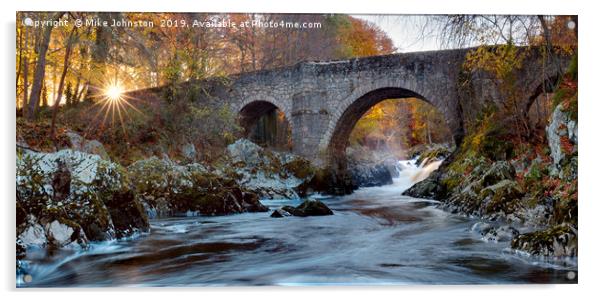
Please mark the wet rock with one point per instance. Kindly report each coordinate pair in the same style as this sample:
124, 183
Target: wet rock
67, 234
429, 188
490, 233
127, 213
392, 166
556, 241
334, 182
309, 208
280, 213
367, 175
481, 227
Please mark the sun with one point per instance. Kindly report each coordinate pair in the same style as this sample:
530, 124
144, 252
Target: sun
114, 92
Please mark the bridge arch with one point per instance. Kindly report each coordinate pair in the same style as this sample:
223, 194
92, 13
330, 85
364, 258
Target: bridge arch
265, 123
337, 136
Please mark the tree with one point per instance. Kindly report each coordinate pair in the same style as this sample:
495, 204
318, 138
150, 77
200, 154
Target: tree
69, 101
40, 69
57, 101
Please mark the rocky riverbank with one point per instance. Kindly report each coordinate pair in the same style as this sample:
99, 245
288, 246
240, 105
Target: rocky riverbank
76, 195
531, 188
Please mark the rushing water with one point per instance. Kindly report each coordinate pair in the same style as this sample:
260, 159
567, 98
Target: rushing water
376, 236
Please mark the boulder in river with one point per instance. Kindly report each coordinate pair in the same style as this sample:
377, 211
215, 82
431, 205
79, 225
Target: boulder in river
556, 241
490, 233
280, 213
309, 208
367, 175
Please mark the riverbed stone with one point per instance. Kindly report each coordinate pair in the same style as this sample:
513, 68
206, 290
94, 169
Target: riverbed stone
309, 208
280, 213
556, 241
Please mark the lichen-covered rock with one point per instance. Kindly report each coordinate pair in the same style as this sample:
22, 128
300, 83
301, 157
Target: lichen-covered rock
169, 189
79, 143
562, 139
270, 175
32, 234
498, 171
502, 198
246, 152
556, 241
65, 234
95, 147
68, 193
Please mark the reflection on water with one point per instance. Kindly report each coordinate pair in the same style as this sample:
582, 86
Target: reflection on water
376, 236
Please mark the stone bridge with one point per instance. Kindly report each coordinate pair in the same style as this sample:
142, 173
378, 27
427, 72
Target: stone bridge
322, 101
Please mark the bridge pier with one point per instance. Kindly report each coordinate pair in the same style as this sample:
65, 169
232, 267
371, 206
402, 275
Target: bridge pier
309, 121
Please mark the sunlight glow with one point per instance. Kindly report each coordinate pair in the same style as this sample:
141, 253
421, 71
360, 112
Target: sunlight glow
114, 106
114, 92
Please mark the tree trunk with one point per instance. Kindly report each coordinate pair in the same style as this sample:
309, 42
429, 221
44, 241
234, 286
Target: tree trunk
40, 70
70, 41
25, 62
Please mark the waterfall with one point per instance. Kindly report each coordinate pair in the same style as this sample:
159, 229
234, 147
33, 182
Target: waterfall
411, 173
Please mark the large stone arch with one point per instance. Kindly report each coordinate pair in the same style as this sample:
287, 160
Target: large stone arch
336, 137
439, 99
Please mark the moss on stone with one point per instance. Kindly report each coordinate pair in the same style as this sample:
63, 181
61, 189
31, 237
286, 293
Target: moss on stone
300, 168
558, 241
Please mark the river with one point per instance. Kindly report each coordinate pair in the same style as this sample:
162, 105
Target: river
375, 237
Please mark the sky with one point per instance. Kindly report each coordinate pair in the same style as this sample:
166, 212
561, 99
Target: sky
405, 31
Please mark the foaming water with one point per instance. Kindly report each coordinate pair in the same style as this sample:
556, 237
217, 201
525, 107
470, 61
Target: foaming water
376, 236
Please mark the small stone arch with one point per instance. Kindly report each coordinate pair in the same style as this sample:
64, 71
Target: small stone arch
250, 113
282, 104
